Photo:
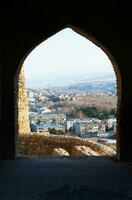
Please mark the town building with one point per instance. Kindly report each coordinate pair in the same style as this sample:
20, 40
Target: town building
44, 128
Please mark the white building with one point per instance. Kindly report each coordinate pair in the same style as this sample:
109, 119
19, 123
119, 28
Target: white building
111, 122
69, 124
43, 110
45, 127
83, 127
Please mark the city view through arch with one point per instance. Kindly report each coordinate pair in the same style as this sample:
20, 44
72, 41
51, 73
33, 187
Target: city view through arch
72, 98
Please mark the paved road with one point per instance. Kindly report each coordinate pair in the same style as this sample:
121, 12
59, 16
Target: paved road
91, 178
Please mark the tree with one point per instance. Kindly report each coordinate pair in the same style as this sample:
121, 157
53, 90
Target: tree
52, 131
90, 112
60, 132
113, 112
55, 132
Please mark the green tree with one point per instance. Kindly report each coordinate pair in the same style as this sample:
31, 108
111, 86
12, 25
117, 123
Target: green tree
52, 131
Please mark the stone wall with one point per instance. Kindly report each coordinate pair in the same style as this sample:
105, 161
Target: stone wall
43, 145
109, 27
23, 111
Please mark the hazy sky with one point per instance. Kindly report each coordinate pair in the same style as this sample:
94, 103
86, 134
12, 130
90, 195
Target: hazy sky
65, 56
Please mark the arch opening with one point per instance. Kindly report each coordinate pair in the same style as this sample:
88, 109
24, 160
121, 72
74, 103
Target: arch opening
20, 93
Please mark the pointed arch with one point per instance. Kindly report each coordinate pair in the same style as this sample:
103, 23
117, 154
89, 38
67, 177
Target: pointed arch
98, 44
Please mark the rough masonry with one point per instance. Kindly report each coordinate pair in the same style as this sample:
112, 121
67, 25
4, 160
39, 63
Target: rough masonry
23, 111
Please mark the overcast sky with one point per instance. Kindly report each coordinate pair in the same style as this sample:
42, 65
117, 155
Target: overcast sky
65, 56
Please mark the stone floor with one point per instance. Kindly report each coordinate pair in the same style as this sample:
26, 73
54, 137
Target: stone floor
91, 178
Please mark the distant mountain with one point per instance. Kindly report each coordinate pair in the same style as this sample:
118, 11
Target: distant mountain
94, 86
95, 82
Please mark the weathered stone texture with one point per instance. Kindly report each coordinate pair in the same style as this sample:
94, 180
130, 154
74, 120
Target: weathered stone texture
54, 145
23, 112
59, 152
83, 151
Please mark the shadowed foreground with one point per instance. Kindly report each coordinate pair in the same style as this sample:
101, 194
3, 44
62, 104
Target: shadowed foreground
65, 179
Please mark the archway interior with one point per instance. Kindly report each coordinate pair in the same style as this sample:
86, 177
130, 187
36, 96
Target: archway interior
69, 95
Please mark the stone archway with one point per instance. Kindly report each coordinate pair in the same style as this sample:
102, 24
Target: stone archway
116, 69
24, 25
